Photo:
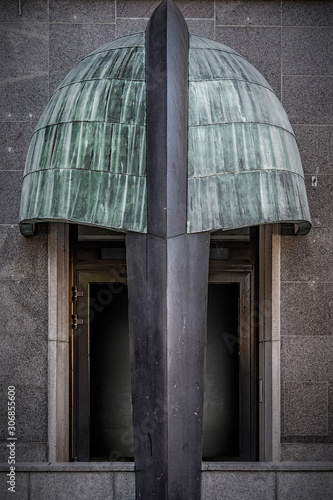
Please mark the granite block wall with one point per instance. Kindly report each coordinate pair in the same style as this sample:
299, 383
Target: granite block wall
307, 286
291, 43
115, 481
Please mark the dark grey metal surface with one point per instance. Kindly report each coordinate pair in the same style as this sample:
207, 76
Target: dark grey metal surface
167, 282
167, 49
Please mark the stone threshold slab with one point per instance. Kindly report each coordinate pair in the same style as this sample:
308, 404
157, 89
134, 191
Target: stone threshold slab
206, 466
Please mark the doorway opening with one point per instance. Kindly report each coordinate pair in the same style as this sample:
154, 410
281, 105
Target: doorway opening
102, 414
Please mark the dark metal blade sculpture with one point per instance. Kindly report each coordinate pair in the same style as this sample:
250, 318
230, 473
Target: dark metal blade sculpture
167, 280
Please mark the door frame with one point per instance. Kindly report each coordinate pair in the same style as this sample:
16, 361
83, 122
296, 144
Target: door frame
59, 343
81, 358
247, 356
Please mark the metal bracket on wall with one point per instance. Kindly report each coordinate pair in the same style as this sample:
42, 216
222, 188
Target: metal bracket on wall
314, 178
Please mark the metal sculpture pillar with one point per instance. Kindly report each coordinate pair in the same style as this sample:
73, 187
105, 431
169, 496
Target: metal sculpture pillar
167, 282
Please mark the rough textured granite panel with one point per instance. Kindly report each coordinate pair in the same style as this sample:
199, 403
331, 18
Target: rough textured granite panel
82, 11
243, 486
299, 486
193, 9
307, 13
124, 486
31, 10
23, 48
129, 26
305, 408
316, 145
31, 412
259, 12
200, 27
10, 196
74, 486
14, 143
307, 358
24, 306
320, 200
195, 26
69, 43
144, 8
23, 257
308, 258
23, 97
23, 360
260, 46
306, 308
26, 451
306, 452
21, 486
330, 412
308, 99
307, 51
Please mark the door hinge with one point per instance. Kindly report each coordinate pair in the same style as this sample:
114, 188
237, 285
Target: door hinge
76, 293
76, 321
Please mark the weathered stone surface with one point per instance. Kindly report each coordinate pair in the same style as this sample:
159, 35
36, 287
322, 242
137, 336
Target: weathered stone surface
260, 46
307, 358
69, 43
23, 360
23, 97
21, 486
257, 12
23, 49
76, 486
24, 306
80, 11
124, 486
307, 13
144, 8
299, 486
86, 467
315, 145
308, 99
306, 308
201, 27
23, 83
305, 408
26, 451
130, 26
308, 258
31, 10
330, 412
306, 452
243, 486
10, 196
320, 199
21, 257
307, 51
136, 9
14, 143
31, 412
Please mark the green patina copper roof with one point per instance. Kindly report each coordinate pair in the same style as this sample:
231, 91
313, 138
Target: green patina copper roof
87, 159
